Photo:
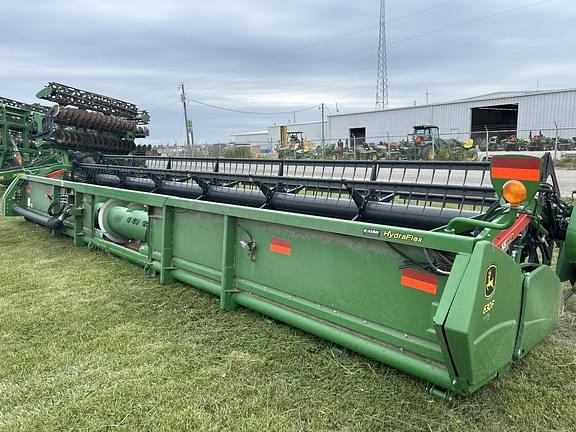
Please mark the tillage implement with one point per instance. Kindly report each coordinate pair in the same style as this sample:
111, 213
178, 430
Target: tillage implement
43, 140
440, 269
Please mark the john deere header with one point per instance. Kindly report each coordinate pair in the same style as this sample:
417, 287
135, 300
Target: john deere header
440, 269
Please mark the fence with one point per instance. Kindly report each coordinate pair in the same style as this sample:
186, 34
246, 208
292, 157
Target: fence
559, 141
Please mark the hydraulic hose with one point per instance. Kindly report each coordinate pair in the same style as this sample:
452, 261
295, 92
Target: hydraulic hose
54, 222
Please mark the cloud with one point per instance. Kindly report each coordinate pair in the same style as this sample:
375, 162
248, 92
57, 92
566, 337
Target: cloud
268, 56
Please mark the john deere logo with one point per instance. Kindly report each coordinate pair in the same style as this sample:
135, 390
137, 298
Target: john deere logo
490, 285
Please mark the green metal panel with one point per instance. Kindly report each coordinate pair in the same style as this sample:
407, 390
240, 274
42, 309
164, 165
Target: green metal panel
349, 278
37, 197
482, 324
541, 307
426, 370
198, 238
457, 273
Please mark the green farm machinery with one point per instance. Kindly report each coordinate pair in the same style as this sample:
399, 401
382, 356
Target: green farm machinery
440, 269
42, 140
425, 143
293, 145
20, 124
534, 142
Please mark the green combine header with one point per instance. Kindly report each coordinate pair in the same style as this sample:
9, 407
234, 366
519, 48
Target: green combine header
440, 269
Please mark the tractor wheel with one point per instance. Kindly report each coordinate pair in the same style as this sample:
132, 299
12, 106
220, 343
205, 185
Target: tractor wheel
374, 157
427, 153
471, 155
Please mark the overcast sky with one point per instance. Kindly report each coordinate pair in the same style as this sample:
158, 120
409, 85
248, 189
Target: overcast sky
276, 56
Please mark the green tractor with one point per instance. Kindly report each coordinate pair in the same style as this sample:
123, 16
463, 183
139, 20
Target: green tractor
342, 151
366, 151
425, 144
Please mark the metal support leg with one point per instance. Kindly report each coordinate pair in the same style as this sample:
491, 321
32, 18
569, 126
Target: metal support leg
166, 268
79, 221
227, 297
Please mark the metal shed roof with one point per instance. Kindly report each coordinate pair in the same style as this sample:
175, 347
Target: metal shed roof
479, 98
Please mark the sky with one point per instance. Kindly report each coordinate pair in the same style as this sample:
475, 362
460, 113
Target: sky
275, 57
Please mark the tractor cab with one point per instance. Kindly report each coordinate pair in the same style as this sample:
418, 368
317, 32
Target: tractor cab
296, 140
423, 142
425, 134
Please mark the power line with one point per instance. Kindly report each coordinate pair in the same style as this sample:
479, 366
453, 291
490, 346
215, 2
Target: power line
218, 107
474, 20
342, 36
409, 38
163, 107
321, 42
372, 27
371, 48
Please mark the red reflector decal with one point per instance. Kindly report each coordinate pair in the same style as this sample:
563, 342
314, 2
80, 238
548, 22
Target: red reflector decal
54, 174
516, 169
282, 247
419, 280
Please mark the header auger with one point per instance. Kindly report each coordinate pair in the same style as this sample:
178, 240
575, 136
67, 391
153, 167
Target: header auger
440, 269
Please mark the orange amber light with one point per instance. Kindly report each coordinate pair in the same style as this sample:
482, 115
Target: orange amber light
514, 192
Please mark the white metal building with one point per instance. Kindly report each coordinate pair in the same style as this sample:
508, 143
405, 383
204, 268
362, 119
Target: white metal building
251, 138
269, 139
502, 113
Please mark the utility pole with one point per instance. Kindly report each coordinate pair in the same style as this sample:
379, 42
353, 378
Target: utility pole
323, 142
188, 126
382, 77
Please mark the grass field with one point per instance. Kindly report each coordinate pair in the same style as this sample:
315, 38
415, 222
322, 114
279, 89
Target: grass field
89, 343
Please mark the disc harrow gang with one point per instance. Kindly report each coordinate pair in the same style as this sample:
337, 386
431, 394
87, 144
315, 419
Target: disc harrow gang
76, 140
92, 120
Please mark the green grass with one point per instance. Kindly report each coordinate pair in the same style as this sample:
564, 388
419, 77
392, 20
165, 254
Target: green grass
89, 343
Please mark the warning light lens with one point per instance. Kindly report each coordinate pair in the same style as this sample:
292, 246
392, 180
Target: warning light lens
514, 192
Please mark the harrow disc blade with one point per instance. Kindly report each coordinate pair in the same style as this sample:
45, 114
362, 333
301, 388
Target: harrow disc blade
54, 111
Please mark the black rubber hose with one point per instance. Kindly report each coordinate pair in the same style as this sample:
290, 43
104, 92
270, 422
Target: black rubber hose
37, 218
54, 222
